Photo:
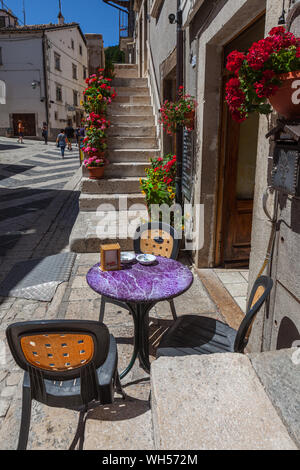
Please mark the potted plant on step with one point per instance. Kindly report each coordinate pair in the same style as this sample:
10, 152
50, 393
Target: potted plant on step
95, 166
266, 76
159, 184
98, 96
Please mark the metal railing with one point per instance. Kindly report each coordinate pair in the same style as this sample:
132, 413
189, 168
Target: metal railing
126, 16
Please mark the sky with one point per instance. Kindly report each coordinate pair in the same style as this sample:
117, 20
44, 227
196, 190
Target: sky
94, 16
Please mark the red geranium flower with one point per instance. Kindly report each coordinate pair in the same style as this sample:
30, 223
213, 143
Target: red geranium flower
235, 61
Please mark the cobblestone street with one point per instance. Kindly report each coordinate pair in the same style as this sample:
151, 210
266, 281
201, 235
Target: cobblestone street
39, 203
44, 232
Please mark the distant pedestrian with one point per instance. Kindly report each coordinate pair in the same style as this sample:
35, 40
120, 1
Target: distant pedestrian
69, 131
45, 132
82, 131
20, 132
62, 141
77, 135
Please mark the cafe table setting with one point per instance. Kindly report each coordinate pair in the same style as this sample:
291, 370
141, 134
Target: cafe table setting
139, 281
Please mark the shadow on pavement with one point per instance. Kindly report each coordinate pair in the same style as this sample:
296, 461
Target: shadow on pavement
13, 170
21, 224
10, 146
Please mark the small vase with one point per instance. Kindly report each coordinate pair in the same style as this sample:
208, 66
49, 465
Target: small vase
96, 172
286, 101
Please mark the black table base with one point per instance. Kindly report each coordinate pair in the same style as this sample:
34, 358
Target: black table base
140, 315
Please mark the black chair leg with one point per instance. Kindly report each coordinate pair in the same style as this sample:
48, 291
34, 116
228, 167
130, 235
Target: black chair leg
173, 310
118, 385
25, 421
102, 309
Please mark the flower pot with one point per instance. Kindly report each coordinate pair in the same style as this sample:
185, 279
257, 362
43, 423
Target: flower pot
190, 119
286, 101
96, 172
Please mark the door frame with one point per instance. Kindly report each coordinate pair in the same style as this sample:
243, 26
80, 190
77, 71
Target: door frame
223, 148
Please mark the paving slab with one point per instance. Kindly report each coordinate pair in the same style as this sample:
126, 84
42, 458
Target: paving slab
279, 373
213, 402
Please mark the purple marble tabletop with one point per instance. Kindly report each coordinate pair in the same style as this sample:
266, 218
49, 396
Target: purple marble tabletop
135, 282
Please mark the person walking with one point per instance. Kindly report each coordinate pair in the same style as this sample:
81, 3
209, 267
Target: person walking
69, 131
61, 142
45, 132
20, 132
77, 135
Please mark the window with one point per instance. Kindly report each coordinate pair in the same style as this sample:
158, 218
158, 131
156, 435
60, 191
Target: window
58, 93
2, 21
75, 98
1, 62
84, 72
74, 69
80, 50
56, 116
72, 44
57, 61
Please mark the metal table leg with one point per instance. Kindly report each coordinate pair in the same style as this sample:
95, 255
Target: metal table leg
140, 314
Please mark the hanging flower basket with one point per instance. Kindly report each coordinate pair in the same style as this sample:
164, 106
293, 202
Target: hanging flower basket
180, 113
286, 100
265, 76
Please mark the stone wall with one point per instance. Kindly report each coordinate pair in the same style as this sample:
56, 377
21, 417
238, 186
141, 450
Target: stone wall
278, 325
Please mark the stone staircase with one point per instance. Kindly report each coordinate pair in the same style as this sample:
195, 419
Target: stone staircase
132, 142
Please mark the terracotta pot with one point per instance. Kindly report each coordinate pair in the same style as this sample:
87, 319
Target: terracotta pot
190, 119
287, 99
96, 172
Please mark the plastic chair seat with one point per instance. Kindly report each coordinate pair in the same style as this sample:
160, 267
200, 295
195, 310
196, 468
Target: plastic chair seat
67, 393
191, 334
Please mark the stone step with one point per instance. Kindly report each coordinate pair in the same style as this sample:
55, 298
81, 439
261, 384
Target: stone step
132, 131
132, 143
133, 99
131, 109
130, 155
122, 169
105, 185
120, 119
132, 91
94, 202
126, 70
222, 400
91, 230
130, 82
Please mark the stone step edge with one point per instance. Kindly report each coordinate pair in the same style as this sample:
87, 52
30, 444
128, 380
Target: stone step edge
126, 126
124, 178
111, 196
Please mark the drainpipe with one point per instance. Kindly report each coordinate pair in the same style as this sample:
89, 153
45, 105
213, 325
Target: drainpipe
45, 78
179, 82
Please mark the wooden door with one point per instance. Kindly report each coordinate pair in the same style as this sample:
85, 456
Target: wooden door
238, 144
239, 179
29, 124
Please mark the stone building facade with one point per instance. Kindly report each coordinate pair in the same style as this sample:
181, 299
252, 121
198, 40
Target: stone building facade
95, 49
231, 165
43, 69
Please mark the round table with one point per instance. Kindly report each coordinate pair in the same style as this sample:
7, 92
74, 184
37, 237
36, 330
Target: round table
140, 287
